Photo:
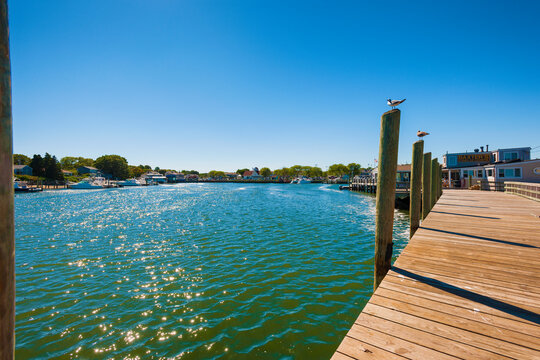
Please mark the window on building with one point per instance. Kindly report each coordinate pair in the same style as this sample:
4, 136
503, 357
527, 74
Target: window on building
510, 173
452, 160
510, 155
490, 172
480, 174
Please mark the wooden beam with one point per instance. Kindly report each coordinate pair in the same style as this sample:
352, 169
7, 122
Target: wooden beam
386, 190
426, 185
7, 240
416, 186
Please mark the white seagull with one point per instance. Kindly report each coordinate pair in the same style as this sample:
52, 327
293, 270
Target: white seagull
421, 134
394, 103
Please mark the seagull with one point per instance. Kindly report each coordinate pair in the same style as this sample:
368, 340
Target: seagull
394, 103
421, 134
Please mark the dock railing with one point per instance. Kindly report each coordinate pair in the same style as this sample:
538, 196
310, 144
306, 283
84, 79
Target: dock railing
528, 190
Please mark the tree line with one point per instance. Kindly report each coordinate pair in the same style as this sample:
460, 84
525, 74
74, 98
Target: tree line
118, 168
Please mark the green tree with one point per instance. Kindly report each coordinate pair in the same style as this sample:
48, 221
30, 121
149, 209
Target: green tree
114, 165
284, 172
265, 172
72, 162
136, 171
52, 169
338, 170
354, 168
315, 172
242, 171
37, 165
216, 174
20, 159
296, 170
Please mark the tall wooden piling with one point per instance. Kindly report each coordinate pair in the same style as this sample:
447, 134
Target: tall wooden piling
440, 180
434, 176
7, 241
386, 190
426, 185
416, 186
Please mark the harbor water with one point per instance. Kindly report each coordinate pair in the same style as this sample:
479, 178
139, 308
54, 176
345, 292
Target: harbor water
193, 271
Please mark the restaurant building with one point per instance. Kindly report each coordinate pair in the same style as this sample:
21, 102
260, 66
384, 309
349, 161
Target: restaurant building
487, 168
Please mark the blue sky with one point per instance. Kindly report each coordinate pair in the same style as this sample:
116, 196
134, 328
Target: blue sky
230, 84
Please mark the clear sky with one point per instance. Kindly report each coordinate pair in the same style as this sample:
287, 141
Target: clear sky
230, 84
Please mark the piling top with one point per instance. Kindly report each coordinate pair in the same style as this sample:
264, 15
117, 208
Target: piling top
393, 111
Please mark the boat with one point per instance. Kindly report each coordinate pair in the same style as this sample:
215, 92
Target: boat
22, 186
301, 180
129, 182
86, 184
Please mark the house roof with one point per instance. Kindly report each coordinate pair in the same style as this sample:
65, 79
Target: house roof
248, 173
20, 166
405, 167
88, 167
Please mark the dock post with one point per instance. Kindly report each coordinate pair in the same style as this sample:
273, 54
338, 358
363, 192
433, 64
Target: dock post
434, 176
416, 186
426, 185
7, 235
440, 180
386, 192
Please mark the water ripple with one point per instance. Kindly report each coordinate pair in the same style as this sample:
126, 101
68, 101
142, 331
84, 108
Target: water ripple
193, 271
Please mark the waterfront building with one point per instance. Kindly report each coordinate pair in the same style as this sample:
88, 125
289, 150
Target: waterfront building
403, 173
487, 168
22, 170
174, 177
87, 170
154, 177
252, 175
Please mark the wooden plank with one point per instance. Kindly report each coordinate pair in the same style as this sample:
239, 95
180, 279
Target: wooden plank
480, 327
394, 344
444, 346
453, 309
457, 335
466, 286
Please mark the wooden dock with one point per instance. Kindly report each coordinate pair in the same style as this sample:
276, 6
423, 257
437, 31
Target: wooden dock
467, 286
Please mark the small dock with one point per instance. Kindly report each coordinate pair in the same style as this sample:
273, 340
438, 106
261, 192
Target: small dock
467, 286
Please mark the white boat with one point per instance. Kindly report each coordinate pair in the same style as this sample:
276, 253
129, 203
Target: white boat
86, 184
304, 180
129, 182
21, 186
301, 180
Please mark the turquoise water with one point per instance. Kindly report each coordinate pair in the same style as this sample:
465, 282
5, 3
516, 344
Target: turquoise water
192, 271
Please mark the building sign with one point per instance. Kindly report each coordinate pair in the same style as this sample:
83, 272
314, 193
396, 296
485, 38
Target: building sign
537, 170
474, 158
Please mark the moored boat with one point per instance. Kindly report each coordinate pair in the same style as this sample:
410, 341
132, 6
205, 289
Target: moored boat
85, 184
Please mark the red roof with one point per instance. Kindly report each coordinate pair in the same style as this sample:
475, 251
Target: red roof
247, 173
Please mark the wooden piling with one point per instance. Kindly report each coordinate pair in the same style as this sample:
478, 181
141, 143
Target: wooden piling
416, 186
440, 180
386, 190
434, 176
426, 185
7, 240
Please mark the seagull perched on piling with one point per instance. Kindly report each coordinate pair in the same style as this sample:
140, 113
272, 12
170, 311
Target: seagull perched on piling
421, 134
394, 103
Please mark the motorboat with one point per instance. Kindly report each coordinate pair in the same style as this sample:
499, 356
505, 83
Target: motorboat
129, 182
86, 184
301, 180
22, 186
